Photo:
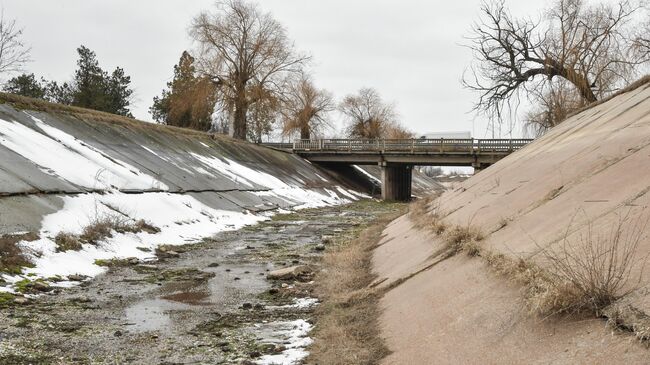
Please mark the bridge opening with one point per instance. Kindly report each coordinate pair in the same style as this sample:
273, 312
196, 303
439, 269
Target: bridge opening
397, 157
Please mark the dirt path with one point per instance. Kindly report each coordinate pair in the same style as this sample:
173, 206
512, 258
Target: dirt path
205, 303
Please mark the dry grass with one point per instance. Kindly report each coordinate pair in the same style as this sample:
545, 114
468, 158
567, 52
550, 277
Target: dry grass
12, 258
22, 102
100, 229
582, 276
347, 330
597, 268
425, 213
67, 242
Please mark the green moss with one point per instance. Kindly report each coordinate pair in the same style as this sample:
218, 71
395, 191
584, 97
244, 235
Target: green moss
6, 298
22, 286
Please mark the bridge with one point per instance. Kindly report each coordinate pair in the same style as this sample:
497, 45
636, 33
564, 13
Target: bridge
398, 156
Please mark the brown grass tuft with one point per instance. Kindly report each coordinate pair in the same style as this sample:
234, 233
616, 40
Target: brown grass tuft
67, 242
103, 227
347, 330
597, 268
12, 258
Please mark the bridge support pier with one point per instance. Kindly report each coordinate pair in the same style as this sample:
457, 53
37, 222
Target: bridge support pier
396, 182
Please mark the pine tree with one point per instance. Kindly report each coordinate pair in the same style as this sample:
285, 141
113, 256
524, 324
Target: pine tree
27, 85
93, 88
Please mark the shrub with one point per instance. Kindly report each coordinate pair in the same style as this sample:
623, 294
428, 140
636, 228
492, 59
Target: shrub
66, 242
596, 269
12, 259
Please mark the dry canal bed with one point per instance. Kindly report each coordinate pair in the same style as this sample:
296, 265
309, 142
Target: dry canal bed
206, 303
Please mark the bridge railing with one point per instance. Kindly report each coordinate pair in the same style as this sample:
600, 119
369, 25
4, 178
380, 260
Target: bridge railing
440, 145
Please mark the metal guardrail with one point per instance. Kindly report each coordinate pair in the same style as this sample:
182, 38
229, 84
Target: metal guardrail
440, 145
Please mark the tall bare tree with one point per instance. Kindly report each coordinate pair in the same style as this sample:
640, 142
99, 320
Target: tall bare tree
553, 104
368, 116
243, 49
13, 52
305, 108
587, 46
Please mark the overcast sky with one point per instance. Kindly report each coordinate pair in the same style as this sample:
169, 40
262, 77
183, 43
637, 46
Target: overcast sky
409, 50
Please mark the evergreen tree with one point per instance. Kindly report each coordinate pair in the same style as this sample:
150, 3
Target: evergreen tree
27, 85
91, 87
94, 88
189, 99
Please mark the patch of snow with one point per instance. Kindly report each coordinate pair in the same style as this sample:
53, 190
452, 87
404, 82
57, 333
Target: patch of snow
366, 173
298, 303
60, 154
295, 339
346, 193
160, 209
222, 167
322, 178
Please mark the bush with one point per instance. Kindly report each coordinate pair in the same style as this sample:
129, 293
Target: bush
66, 242
12, 259
596, 270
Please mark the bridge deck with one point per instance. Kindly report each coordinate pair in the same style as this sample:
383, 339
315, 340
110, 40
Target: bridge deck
405, 151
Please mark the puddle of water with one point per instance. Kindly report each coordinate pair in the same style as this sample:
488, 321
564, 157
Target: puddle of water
191, 297
151, 315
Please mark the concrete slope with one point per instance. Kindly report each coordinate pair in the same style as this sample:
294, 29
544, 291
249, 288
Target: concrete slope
591, 174
63, 169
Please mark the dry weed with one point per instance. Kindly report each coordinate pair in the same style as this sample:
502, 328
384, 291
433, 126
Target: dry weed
347, 329
597, 267
12, 258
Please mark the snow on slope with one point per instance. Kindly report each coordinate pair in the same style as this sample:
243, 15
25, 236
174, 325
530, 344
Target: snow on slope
60, 154
181, 218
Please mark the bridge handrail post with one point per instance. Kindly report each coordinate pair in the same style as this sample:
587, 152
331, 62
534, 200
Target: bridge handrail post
442, 143
320, 144
510, 145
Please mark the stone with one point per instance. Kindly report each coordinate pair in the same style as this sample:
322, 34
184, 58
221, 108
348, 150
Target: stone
133, 260
40, 286
320, 248
247, 306
77, 277
258, 306
172, 254
80, 299
22, 300
148, 267
214, 264
117, 333
326, 239
289, 273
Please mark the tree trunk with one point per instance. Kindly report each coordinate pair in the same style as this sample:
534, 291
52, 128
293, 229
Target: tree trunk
239, 121
305, 133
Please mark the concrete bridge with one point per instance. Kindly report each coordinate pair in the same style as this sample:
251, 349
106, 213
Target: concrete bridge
398, 156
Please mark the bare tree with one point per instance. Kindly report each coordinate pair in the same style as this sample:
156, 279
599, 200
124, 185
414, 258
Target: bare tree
13, 52
553, 104
241, 49
305, 108
397, 131
367, 114
588, 46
